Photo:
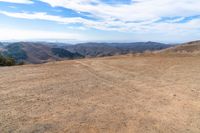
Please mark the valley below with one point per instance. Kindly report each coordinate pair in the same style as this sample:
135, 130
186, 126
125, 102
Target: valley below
119, 94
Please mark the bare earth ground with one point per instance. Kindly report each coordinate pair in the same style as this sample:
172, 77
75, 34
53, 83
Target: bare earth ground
123, 94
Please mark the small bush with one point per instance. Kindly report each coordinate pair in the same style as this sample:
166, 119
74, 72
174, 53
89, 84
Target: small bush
7, 61
21, 63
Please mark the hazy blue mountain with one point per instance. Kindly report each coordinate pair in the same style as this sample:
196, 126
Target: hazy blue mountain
107, 49
37, 52
40, 52
16, 51
63, 53
1, 45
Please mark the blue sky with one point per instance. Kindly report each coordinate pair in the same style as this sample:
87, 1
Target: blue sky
100, 20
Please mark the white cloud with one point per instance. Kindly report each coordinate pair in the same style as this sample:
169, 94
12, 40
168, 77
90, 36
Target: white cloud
144, 26
64, 20
141, 14
139, 17
43, 16
137, 11
17, 34
18, 1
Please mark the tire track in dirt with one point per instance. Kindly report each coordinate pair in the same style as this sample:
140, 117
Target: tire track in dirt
96, 74
113, 78
107, 69
117, 74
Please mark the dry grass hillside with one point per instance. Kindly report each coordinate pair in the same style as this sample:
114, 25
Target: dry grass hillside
121, 94
190, 48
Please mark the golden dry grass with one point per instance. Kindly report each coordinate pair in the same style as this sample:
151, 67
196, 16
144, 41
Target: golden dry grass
122, 94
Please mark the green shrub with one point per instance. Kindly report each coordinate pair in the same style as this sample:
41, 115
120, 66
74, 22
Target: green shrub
7, 61
21, 63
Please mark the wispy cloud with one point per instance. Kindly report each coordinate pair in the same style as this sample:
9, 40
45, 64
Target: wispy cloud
19, 34
137, 15
118, 25
44, 16
158, 17
18, 1
138, 10
64, 20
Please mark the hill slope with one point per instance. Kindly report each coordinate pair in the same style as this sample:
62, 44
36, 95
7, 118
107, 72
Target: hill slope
192, 48
121, 94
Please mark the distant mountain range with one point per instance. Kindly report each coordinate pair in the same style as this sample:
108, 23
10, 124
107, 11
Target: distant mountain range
36, 53
1, 45
40, 52
109, 49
